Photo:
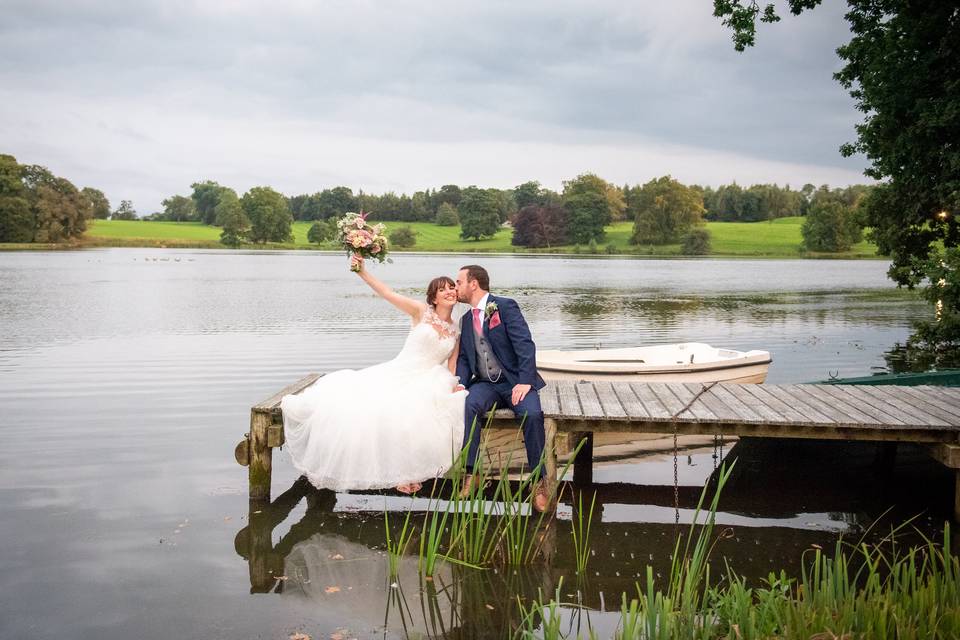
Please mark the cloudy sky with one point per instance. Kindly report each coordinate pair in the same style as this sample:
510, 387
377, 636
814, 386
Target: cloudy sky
142, 98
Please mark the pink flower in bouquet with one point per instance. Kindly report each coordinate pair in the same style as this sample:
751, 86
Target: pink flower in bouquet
375, 248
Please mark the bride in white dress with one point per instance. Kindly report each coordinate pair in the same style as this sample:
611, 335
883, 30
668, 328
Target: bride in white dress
392, 424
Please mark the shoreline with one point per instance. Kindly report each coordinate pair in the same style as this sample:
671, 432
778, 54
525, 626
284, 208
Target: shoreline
172, 243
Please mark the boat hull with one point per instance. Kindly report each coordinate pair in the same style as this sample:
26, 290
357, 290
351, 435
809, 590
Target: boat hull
746, 374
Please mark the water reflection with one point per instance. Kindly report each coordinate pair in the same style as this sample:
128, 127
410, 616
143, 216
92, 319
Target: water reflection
333, 553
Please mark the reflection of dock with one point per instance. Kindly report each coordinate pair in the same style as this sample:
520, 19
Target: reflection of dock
929, 416
460, 599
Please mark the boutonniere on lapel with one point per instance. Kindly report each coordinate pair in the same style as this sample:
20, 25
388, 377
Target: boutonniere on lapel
491, 313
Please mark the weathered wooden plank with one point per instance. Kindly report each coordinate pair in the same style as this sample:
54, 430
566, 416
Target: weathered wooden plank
273, 402
717, 407
549, 401
786, 410
687, 396
653, 405
812, 414
905, 403
740, 408
841, 412
950, 413
569, 401
612, 408
860, 392
589, 402
631, 404
674, 406
825, 408
842, 402
766, 412
841, 392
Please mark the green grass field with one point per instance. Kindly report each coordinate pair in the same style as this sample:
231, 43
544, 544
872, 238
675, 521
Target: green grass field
778, 238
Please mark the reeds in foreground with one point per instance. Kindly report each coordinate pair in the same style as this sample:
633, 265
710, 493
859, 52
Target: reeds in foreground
860, 592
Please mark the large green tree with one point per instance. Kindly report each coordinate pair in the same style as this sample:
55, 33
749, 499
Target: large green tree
60, 211
333, 203
479, 213
206, 196
99, 202
16, 220
179, 209
666, 210
230, 216
592, 183
270, 219
830, 226
124, 212
901, 69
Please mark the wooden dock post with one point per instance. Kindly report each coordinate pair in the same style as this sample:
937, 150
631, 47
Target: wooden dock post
261, 457
583, 463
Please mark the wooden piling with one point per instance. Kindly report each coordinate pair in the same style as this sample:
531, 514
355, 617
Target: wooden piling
583, 463
261, 457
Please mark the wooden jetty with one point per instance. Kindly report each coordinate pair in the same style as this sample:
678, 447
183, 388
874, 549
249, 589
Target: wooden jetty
574, 411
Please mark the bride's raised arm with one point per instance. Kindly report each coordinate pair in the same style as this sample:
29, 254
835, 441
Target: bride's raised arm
411, 307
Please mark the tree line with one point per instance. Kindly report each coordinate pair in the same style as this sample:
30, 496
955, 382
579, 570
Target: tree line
664, 211
36, 206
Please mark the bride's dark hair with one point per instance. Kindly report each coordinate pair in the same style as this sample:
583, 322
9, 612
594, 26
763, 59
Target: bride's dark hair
434, 287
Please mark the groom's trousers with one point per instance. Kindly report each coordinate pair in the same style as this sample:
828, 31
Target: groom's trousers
482, 397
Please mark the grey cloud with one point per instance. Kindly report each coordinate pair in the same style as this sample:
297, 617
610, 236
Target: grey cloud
537, 72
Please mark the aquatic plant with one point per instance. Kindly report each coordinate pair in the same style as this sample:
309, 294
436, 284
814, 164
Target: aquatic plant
580, 531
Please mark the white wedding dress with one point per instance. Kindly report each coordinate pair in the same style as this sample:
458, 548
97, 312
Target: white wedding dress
392, 423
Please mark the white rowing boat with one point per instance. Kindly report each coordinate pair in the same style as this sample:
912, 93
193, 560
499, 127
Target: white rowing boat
682, 362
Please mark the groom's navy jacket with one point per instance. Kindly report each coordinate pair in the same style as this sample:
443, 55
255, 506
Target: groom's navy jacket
511, 343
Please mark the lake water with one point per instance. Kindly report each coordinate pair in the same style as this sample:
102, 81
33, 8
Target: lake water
126, 377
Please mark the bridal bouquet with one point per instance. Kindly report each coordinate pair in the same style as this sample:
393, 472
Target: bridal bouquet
361, 238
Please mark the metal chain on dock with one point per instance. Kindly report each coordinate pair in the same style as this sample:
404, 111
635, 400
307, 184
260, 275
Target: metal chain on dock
676, 476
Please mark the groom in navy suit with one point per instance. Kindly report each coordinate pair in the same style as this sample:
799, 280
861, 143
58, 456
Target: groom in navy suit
498, 365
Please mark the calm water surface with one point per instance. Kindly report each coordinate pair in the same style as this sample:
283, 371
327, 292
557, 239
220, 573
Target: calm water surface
126, 377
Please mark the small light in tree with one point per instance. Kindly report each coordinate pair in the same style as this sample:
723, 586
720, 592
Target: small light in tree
943, 215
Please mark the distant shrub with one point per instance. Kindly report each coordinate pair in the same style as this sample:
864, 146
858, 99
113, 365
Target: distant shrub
403, 237
696, 242
321, 231
447, 215
612, 249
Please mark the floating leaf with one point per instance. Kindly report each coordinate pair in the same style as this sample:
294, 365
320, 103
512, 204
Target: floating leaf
332, 589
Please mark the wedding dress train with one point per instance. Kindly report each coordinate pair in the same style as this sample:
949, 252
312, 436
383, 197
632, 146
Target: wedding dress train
389, 424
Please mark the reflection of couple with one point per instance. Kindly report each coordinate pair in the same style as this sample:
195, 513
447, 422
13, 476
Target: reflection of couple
403, 421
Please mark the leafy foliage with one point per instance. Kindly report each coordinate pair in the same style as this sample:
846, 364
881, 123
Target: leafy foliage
901, 69
322, 231
206, 196
178, 209
696, 242
541, 226
269, 216
666, 210
125, 211
831, 226
229, 215
447, 215
403, 237
99, 202
479, 213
